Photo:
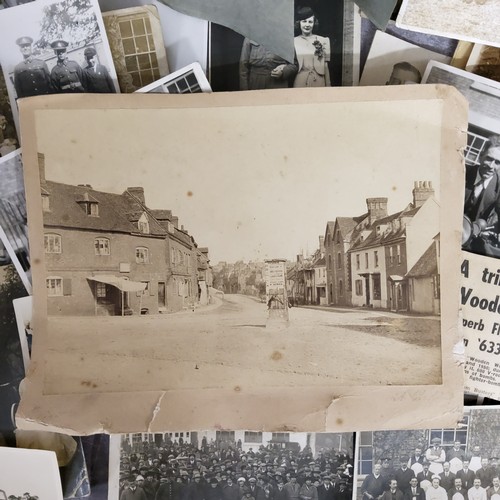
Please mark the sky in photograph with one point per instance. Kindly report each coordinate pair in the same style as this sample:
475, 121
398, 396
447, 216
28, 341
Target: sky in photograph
248, 183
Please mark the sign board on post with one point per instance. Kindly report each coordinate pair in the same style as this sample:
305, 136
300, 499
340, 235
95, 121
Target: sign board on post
276, 298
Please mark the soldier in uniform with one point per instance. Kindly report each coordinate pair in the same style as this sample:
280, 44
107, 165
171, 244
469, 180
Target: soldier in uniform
97, 79
31, 76
66, 76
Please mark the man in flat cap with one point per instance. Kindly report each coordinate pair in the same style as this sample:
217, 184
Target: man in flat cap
31, 76
66, 75
97, 79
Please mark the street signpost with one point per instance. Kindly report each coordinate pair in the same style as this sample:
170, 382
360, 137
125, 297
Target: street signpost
276, 297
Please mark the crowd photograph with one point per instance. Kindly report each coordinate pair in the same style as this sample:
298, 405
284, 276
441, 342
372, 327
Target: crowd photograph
230, 465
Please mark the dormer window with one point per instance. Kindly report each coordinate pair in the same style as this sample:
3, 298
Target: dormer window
45, 202
143, 224
89, 205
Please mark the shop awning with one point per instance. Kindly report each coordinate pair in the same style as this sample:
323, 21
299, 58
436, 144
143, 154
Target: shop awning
122, 284
396, 277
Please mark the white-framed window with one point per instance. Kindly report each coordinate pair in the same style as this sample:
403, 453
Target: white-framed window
359, 287
398, 254
367, 262
375, 255
365, 457
358, 259
52, 243
391, 255
142, 255
54, 286
102, 246
475, 146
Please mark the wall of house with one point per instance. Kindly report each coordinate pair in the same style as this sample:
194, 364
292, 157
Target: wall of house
342, 291
422, 296
371, 268
421, 230
182, 285
78, 261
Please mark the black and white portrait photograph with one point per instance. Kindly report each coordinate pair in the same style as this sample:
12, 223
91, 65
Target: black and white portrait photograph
460, 463
481, 225
327, 38
188, 80
392, 61
49, 47
232, 465
9, 141
29, 475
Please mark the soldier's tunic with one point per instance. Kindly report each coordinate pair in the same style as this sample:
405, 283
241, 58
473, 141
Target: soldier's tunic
32, 77
67, 77
97, 80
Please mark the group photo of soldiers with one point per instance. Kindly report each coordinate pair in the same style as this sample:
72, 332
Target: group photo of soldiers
435, 473
222, 470
52, 48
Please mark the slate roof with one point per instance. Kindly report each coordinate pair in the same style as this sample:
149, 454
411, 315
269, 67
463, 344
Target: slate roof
426, 265
117, 212
384, 238
347, 224
320, 262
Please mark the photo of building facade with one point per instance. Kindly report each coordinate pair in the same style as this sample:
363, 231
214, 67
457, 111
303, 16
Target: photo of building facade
109, 254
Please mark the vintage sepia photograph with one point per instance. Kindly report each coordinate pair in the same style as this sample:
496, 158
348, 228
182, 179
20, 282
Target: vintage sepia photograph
484, 61
458, 463
327, 40
232, 465
481, 225
56, 47
29, 475
176, 255
9, 141
188, 80
137, 46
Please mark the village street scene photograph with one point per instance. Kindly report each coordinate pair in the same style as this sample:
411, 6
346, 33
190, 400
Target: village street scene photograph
307, 271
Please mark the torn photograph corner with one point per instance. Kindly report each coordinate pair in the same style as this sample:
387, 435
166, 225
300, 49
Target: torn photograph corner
232, 464
240, 261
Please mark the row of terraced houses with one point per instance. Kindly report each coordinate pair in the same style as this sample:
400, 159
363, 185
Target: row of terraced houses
376, 259
110, 254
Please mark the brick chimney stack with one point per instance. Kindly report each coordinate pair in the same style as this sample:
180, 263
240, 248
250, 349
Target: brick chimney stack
422, 191
41, 168
138, 192
175, 221
377, 208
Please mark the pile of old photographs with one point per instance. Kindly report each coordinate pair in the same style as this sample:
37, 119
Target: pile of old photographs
70, 46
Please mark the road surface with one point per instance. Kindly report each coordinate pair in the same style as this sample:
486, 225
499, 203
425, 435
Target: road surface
230, 346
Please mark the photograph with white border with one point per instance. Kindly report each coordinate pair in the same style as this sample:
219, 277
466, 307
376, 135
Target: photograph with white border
456, 463
232, 465
188, 80
51, 47
392, 61
29, 474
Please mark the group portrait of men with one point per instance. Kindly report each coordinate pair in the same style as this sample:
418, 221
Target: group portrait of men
223, 471
33, 77
436, 474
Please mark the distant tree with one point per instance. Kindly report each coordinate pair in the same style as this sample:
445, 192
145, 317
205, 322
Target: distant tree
72, 20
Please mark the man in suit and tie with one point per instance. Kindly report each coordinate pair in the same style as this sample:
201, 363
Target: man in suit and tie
404, 474
457, 492
466, 475
447, 477
425, 477
494, 489
482, 190
325, 490
414, 492
279, 491
292, 488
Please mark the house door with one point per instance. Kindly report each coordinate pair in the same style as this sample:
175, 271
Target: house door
162, 302
367, 290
